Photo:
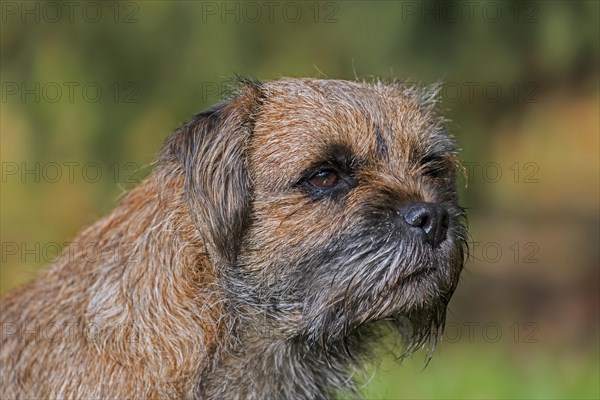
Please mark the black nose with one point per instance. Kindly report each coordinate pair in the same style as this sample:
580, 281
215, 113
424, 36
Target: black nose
429, 220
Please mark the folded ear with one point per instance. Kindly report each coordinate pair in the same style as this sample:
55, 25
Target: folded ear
212, 148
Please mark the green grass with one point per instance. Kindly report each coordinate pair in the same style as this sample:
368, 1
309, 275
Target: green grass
489, 371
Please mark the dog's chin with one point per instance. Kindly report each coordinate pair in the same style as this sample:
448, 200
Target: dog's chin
400, 331
417, 316
415, 308
423, 288
418, 305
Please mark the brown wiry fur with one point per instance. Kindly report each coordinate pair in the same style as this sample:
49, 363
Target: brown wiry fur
220, 277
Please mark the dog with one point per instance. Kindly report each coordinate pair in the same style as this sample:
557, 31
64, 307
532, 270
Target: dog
282, 234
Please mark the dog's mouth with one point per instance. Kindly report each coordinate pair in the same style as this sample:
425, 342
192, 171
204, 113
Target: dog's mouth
397, 280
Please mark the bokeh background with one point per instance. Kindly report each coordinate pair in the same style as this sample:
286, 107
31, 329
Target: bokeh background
91, 89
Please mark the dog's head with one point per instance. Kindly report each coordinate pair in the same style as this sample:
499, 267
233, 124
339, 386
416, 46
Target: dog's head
327, 206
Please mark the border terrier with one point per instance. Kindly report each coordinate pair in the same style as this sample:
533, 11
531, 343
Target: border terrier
282, 233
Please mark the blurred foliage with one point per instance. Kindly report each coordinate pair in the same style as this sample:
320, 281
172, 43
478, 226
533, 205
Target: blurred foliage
521, 90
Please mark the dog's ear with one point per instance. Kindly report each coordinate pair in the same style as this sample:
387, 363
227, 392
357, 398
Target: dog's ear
212, 148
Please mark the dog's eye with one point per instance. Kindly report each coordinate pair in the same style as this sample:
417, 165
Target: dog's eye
324, 181
326, 178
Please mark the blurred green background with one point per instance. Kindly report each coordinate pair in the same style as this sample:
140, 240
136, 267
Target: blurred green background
90, 91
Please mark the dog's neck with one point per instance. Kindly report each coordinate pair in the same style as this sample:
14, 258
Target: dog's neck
156, 307
258, 366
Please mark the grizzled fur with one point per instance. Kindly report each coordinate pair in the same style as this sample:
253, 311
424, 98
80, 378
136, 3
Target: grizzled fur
228, 274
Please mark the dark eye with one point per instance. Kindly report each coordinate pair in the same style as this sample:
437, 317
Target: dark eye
321, 182
325, 179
